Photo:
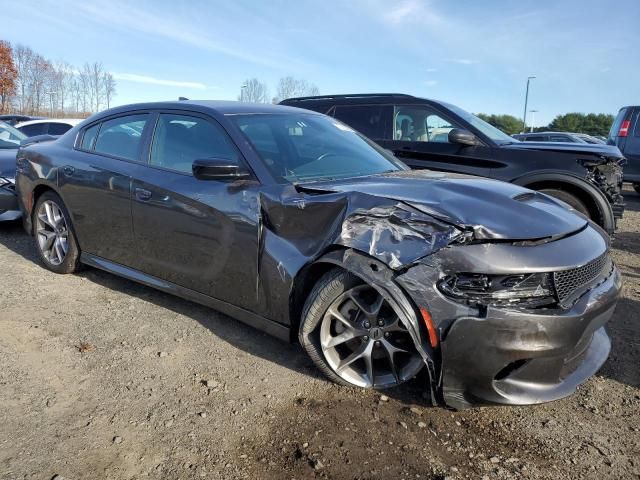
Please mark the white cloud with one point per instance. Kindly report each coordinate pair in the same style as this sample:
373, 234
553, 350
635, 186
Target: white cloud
411, 11
431, 83
463, 61
132, 77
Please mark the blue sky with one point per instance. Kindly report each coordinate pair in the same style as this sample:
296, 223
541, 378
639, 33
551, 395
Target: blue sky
476, 54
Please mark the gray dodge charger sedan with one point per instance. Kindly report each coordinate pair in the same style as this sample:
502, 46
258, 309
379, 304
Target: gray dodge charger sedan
294, 223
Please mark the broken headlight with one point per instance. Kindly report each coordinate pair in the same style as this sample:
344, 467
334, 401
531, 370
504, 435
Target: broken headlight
531, 289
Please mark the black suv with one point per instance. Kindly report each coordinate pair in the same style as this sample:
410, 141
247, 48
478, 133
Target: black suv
440, 136
625, 134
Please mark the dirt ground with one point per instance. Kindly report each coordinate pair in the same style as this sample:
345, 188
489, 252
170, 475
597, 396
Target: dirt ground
104, 378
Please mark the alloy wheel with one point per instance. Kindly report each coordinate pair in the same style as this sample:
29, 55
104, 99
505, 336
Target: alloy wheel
364, 341
52, 232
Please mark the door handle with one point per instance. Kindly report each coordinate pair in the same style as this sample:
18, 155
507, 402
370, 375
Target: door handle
142, 194
68, 170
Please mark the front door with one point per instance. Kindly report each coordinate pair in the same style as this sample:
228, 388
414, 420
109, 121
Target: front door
421, 140
199, 234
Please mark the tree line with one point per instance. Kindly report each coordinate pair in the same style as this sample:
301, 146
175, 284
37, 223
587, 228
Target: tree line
31, 84
589, 123
256, 91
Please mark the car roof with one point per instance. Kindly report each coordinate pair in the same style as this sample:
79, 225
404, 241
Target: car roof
223, 107
358, 98
68, 121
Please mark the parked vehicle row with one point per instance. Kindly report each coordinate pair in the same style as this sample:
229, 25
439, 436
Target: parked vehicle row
47, 126
295, 223
440, 136
558, 137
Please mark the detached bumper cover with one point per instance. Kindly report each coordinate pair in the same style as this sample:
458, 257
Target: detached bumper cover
518, 357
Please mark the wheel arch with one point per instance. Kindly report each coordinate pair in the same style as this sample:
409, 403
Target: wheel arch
596, 202
379, 276
37, 191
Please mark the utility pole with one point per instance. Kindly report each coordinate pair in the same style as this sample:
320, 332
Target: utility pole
526, 100
242, 89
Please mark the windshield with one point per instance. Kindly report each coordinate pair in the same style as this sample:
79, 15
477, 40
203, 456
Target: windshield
305, 147
488, 130
9, 136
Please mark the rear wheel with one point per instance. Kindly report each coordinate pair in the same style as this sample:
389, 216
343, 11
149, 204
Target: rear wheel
636, 187
354, 336
55, 240
568, 198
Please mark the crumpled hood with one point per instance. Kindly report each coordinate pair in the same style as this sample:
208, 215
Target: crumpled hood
8, 162
491, 209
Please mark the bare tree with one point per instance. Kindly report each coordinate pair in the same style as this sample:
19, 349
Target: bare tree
289, 87
41, 86
254, 91
109, 87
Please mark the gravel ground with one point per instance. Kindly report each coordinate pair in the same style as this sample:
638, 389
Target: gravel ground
104, 378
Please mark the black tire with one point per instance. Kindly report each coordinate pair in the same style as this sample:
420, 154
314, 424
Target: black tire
636, 187
70, 261
333, 285
570, 199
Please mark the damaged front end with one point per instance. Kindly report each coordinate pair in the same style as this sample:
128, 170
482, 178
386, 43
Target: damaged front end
505, 306
605, 173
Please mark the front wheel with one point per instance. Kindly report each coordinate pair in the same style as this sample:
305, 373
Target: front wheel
354, 336
568, 198
55, 240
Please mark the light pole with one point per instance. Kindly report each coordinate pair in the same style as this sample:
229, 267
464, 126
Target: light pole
51, 94
243, 87
526, 99
533, 119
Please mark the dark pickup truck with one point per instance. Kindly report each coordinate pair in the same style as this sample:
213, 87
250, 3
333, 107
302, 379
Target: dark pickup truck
440, 136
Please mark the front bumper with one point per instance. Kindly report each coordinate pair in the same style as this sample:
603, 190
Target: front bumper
9, 209
510, 355
520, 358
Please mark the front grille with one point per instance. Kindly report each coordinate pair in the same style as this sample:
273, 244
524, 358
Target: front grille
571, 281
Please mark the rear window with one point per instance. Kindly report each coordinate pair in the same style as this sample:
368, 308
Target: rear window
34, 129
121, 137
370, 120
58, 128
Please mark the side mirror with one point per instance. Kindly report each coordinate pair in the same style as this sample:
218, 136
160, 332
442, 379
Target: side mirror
218, 169
462, 137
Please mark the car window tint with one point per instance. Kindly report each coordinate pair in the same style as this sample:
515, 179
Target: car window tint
33, 129
367, 119
535, 138
58, 128
179, 140
89, 137
561, 138
121, 136
420, 124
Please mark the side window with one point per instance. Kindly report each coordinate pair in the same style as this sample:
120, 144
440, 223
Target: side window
179, 140
89, 137
562, 138
121, 136
421, 124
535, 138
370, 120
33, 129
58, 128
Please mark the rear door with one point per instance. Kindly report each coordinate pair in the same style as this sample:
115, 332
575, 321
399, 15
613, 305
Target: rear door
95, 182
420, 138
194, 233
